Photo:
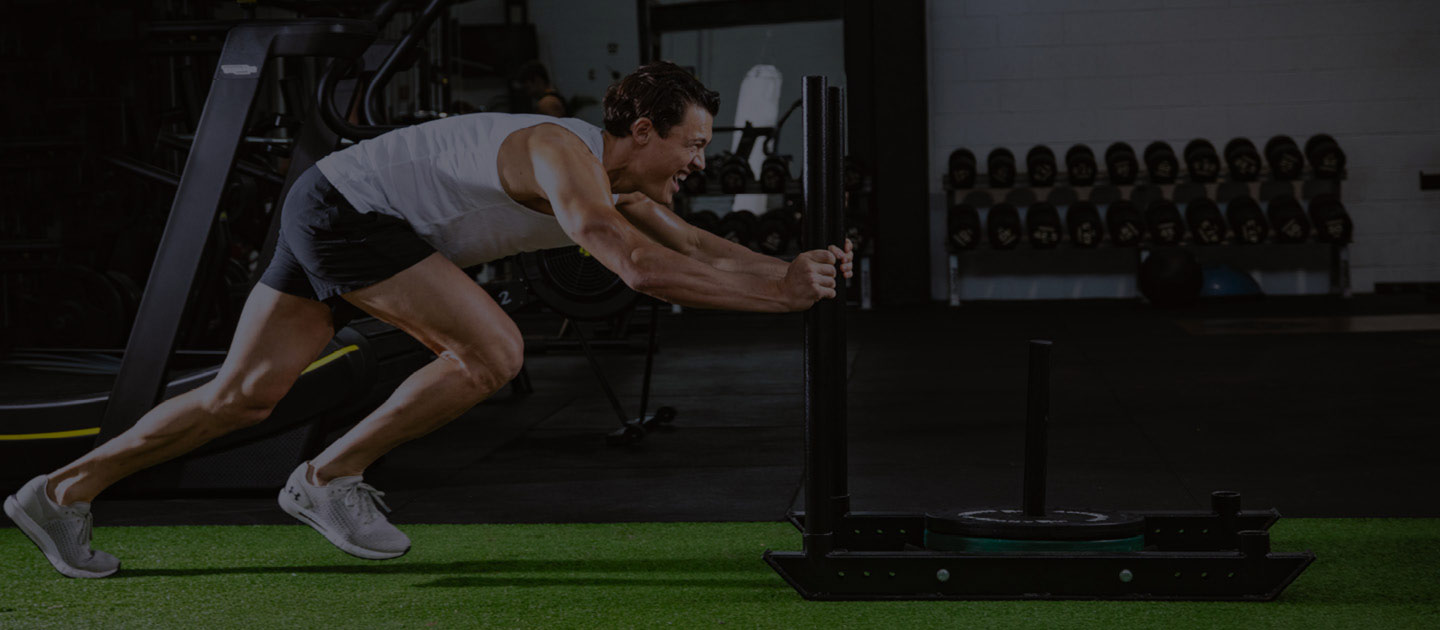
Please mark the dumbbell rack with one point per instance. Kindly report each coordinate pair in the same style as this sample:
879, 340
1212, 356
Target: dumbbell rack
1263, 189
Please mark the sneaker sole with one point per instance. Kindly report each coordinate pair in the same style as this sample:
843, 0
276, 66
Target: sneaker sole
42, 541
303, 516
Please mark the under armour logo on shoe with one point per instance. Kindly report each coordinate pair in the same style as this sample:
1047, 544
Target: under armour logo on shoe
294, 492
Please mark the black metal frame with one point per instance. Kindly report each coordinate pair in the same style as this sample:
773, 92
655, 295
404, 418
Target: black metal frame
1220, 555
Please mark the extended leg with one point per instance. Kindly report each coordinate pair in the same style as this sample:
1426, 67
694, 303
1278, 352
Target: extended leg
277, 337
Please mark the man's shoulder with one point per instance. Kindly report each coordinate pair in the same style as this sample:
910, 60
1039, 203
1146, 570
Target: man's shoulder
555, 136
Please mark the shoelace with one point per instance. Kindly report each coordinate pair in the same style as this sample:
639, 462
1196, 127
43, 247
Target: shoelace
362, 497
84, 541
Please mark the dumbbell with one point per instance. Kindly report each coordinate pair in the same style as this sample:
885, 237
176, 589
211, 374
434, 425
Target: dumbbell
962, 226
774, 174
1288, 220
1121, 165
705, 220
775, 230
1040, 166
1286, 161
1325, 157
1247, 220
1000, 167
1125, 224
962, 169
1243, 160
1080, 165
1042, 224
1205, 220
1086, 228
739, 227
735, 173
1332, 223
1202, 161
1163, 219
1002, 226
1161, 163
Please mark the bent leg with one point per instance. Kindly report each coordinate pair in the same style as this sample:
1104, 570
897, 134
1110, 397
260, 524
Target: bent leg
479, 350
277, 337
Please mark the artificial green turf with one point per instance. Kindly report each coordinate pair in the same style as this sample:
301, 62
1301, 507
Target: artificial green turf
1371, 573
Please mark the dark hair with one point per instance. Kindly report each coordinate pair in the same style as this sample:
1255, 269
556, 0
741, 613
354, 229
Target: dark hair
530, 70
660, 91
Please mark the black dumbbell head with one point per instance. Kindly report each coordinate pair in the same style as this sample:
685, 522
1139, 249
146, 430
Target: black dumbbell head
1288, 220
1121, 165
1243, 160
1332, 223
1286, 161
1125, 224
1202, 161
1163, 219
1161, 163
1040, 166
1000, 168
1080, 165
963, 227
962, 169
1247, 221
1042, 225
1002, 226
1325, 156
1206, 223
1082, 219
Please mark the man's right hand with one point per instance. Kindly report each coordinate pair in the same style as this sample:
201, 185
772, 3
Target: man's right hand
809, 279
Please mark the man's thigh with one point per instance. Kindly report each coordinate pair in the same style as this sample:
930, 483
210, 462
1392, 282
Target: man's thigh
435, 302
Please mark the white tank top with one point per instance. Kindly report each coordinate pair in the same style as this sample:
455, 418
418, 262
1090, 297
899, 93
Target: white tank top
442, 178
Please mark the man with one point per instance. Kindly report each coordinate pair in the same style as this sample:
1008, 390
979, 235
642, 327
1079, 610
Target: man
385, 227
536, 81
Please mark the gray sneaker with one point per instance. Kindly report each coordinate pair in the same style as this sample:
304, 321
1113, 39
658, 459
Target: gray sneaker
62, 532
344, 512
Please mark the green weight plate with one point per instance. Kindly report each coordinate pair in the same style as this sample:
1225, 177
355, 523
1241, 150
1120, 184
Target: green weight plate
1011, 524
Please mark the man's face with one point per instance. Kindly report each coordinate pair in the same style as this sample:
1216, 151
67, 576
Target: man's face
663, 162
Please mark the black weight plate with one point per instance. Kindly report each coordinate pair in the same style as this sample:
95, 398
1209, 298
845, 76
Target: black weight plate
1054, 525
575, 285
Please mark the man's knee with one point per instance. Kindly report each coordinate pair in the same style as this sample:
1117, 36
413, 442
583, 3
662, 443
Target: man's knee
489, 368
237, 405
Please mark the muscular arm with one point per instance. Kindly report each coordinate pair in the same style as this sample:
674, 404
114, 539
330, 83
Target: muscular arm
578, 190
662, 225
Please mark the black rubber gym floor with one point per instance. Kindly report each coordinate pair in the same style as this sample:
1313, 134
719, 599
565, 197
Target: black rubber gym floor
1147, 414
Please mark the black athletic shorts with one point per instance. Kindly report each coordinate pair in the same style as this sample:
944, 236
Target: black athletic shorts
327, 247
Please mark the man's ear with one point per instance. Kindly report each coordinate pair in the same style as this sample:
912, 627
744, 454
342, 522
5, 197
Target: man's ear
642, 130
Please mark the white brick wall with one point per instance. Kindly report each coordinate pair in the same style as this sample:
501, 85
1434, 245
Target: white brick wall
1015, 73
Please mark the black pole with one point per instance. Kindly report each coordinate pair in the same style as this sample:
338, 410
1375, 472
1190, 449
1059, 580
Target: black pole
1037, 417
819, 508
838, 381
649, 359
